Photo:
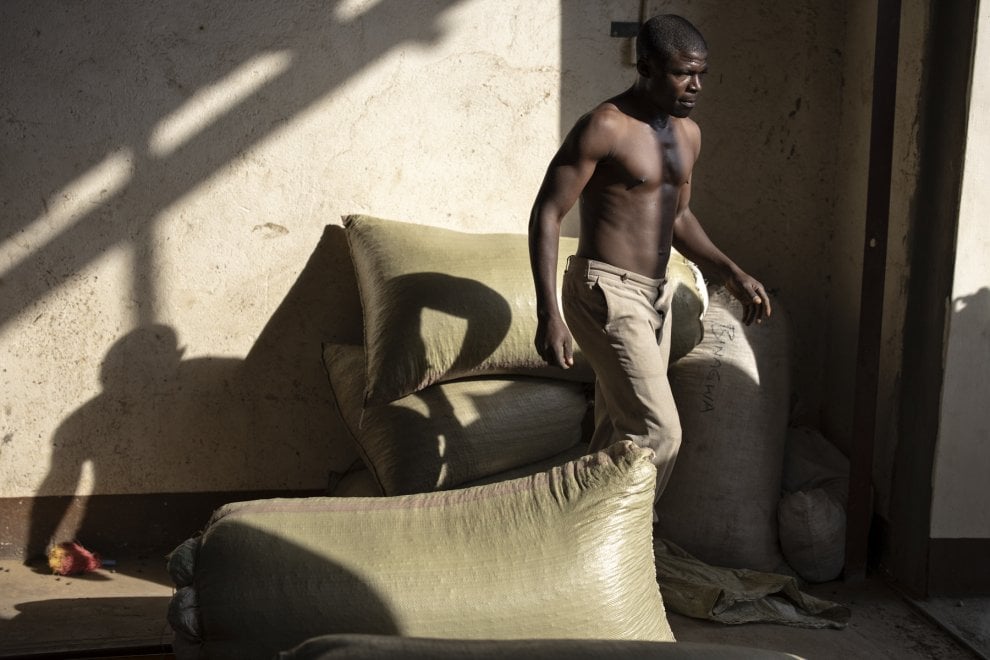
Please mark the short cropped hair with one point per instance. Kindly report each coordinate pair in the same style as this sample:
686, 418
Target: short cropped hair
666, 35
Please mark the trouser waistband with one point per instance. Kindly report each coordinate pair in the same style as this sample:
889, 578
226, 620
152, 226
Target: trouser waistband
592, 267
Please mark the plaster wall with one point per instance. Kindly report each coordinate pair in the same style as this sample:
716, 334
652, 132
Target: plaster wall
173, 180
168, 173
960, 487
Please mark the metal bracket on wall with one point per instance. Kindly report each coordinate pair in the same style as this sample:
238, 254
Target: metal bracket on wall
624, 29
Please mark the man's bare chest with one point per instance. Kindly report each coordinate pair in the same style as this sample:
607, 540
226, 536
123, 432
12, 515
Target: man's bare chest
649, 163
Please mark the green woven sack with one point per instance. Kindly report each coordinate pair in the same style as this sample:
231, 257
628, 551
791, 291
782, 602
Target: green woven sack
440, 304
453, 433
377, 647
565, 553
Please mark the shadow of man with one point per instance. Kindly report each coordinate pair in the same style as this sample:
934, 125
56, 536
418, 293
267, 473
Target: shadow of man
161, 424
971, 318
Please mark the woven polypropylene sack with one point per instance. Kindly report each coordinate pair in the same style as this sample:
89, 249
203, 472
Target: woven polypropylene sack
377, 647
688, 303
732, 393
452, 433
361, 482
813, 534
565, 553
440, 304
812, 510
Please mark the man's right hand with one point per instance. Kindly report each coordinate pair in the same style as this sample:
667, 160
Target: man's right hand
554, 343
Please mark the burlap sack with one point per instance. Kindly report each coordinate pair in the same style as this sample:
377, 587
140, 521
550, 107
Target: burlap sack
732, 393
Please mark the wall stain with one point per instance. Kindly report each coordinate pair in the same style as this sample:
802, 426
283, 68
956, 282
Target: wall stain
797, 107
271, 230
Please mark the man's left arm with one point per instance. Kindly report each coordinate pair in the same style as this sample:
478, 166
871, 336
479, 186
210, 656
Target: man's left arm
691, 240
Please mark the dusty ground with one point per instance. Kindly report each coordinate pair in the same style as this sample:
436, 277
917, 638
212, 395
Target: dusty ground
883, 625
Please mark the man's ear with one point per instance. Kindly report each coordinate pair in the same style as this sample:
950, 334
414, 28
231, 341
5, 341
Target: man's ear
650, 64
643, 67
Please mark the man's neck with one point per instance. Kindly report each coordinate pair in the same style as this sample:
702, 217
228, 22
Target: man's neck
648, 113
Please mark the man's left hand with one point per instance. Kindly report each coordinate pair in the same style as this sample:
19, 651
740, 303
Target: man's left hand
752, 295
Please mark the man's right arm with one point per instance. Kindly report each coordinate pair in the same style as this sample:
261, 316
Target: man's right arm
569, 171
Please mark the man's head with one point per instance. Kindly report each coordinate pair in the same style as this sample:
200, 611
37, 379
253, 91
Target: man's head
666, 35
672, 56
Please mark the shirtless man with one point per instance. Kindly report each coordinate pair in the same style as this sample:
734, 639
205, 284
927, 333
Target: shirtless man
630, 160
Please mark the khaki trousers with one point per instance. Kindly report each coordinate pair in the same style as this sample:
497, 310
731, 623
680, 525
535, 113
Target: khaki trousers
619, 321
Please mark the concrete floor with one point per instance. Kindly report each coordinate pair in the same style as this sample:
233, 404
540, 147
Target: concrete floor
41, 613
883, 625
966, 618
121, 613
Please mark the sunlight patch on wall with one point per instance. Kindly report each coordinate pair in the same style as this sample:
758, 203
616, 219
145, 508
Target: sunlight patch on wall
209, 104
350, 10
68, 205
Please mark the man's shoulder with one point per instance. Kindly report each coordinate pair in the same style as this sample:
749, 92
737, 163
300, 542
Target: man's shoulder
689, 125
607, 117
690, 130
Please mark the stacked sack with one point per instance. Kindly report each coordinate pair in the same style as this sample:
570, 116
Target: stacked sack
448, 390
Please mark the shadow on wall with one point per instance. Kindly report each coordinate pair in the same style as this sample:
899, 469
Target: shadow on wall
968, 352
167, 424
132, 69
129, 439
284, 378
971, 319
119, 76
